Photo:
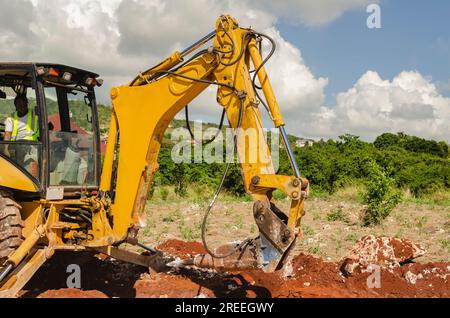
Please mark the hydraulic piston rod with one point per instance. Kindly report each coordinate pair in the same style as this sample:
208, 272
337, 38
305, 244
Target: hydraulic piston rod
197, 44
6, 271
289, 152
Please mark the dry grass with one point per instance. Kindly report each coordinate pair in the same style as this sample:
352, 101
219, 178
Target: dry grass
331, 225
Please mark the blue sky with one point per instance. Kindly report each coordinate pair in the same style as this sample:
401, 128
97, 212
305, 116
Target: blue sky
393, 79
415, 35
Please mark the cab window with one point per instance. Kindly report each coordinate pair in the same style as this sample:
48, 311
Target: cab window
19, 124
71, 137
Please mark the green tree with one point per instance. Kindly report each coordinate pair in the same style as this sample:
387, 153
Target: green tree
380, 196
387, 140
179, 180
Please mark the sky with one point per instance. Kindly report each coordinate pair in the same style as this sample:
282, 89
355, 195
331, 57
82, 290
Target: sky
415, 35
331, 73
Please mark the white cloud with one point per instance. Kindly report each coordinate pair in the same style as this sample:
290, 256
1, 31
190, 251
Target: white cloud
118, 38
175, 24
295, 85
115, 38
409, 103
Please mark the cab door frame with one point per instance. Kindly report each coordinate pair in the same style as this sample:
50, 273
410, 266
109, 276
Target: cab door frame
69, 191
45, 151
39, 182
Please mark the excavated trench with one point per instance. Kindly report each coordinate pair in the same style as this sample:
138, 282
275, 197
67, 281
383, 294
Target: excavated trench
305, 276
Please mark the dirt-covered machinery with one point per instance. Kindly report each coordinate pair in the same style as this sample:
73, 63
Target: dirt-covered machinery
54, 194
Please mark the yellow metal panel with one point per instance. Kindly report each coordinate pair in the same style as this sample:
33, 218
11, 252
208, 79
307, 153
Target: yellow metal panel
265, 84
143, 114
13, 178
252, 149
31, 216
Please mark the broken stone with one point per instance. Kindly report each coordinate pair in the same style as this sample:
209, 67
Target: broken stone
288, 270
386, 252
412, 278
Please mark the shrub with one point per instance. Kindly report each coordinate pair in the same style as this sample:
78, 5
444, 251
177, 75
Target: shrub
337, 215
233, 182
179, 179
164, 193
381, 197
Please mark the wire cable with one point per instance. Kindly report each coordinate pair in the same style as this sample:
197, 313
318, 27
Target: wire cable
241, 53
225, 174
217, 193
204, 143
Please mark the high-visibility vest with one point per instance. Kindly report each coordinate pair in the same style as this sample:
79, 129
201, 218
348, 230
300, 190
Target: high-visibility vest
32, 127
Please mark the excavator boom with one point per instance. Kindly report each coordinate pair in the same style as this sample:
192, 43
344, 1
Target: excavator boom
143, 109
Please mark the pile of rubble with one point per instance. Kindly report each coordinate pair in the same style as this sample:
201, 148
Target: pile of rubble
376, 267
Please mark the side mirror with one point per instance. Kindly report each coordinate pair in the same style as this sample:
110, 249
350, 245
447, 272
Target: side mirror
2, 95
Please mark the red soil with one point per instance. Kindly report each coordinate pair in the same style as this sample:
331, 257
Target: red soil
308, 277
181, 249
72, 293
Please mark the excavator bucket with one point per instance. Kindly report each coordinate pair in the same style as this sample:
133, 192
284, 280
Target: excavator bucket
266, 252
276, 238
258, 253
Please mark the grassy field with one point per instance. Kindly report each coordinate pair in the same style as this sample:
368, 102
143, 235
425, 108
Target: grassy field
331, 226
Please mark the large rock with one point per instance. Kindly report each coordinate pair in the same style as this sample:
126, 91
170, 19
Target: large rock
386, 252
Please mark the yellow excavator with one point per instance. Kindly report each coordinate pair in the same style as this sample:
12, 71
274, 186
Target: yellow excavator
55, 196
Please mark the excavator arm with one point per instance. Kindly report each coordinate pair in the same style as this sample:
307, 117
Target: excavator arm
143, 109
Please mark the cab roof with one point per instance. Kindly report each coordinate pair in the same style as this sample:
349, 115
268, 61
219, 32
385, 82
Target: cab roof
62, 67
10, 72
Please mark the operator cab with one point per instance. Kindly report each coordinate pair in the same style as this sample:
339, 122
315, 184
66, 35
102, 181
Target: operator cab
64, 153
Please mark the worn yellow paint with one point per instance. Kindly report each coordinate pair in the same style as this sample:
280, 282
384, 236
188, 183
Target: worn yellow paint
31, 215
13, 178
143, 114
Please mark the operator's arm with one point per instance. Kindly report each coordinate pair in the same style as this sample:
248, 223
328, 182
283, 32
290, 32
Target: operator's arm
8, 128
7, 135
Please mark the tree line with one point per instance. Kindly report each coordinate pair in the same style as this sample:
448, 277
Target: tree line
415, 164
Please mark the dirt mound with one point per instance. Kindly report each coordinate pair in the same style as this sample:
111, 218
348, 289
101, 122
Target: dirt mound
72, 293
382, 251
111, 278
307, 277
182, 249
